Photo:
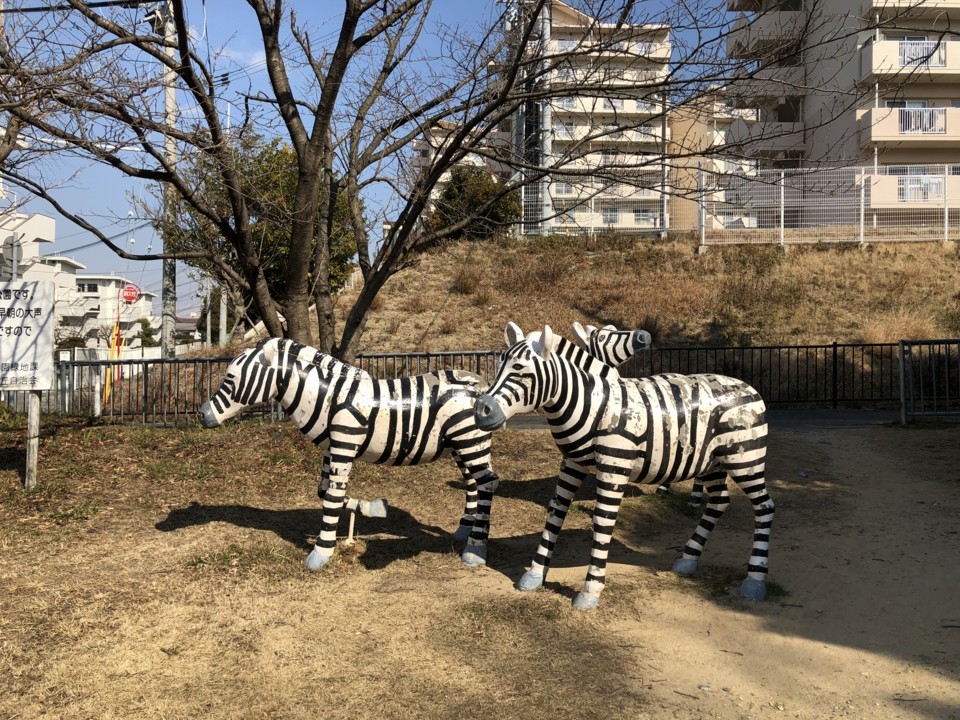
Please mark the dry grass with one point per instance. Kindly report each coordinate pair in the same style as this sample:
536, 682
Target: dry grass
735, 294
157, 573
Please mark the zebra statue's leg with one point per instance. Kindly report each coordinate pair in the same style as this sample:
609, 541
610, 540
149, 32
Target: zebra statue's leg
718, 499
751, 480
335, 479
571, 478
367, 508
610, 484
465, 528
485, 483
696, 495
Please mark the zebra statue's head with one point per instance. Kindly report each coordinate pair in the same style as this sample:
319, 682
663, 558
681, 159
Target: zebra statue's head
610, 345
530, 377
251, 378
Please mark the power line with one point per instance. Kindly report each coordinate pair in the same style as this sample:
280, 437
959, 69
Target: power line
58, 8
99, 242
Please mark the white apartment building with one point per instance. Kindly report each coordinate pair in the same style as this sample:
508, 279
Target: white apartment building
86, 305
602, 130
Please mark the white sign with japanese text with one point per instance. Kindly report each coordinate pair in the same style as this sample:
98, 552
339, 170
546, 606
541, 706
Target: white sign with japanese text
26, 335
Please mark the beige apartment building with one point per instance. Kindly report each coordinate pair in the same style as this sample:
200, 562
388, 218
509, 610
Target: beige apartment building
849, 82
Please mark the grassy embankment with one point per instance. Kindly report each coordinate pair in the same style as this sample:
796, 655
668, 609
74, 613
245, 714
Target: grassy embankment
461, 296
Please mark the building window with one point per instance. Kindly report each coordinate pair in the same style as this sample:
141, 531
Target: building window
644, 218
566, 130
88, 288
612, 104
567, 102
566, 45
563, 188
610, 215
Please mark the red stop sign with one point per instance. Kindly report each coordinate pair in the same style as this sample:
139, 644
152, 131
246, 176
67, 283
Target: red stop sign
130, 293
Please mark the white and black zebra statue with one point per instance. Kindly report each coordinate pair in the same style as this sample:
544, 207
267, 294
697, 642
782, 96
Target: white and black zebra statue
352, 416
655, 429
614, 347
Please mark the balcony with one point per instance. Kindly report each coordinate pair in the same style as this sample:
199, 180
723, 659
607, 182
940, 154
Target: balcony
753, 35
766, 84
910, 128
766, 138
908, 60
897, 191
900, 9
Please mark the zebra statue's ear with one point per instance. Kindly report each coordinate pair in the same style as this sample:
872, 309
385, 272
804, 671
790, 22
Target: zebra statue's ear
269, 350
611, 328
544, 346
512, 334
580, 333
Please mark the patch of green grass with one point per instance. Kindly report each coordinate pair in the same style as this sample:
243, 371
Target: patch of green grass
266, 559
722, 581
77, 513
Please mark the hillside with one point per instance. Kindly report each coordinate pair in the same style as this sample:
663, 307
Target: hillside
461, 296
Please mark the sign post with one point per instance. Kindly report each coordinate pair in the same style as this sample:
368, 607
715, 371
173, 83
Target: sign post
26, 353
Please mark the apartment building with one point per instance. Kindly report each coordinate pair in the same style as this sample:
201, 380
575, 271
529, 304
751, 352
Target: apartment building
597, 133
849, 82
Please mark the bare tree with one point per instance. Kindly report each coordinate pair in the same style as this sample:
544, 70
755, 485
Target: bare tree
355, 105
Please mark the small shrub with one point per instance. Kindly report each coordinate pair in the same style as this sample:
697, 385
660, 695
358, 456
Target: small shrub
467, 280
483, 297
901, 325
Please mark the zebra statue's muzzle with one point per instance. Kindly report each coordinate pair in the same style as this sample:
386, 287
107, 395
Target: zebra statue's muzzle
488, 414
642, 339
206, 416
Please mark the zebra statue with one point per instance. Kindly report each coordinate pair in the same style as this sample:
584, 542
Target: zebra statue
354, 417
611, 346
655, 429
614, 347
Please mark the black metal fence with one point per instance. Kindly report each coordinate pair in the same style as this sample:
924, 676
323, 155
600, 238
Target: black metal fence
170, 392
818, 375
931, 378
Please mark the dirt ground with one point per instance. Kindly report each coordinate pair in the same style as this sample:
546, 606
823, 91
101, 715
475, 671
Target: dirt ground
156, 574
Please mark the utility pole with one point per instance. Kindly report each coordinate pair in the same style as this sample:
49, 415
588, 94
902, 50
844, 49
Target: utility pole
161, 20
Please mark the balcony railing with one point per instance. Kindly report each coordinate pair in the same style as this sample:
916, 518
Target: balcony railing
924, 121
915, 53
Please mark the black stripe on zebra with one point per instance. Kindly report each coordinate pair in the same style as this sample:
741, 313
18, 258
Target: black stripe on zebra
626, 428
354, 417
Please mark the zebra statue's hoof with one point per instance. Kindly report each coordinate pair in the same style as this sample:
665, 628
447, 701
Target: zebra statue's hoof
753, 590
685, 566
663, 490
315, 560
462, 533
374, 508
529, 581
474, 555
586, 601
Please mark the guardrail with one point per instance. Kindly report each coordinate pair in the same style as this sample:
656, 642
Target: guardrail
170, 392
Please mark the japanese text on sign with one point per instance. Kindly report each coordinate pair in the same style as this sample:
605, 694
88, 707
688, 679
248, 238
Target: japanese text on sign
26, 335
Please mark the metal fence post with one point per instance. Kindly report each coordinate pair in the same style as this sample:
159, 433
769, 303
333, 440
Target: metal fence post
863, 201
783, 209
835, 367
903, 384
946, 207
703, 207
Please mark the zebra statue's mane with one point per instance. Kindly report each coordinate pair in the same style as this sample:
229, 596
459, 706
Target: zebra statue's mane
544, 341
282, 352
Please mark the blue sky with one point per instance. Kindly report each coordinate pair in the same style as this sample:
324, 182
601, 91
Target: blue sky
103, 195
